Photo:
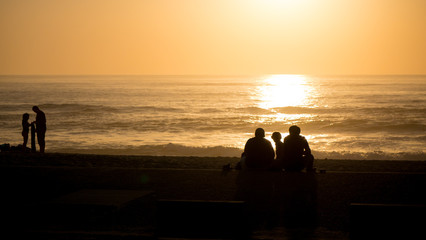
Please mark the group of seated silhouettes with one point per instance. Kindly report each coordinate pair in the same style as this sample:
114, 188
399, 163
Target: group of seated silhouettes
292, 155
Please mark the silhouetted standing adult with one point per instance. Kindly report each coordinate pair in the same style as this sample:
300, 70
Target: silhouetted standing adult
40, 123
297, 154
259, 151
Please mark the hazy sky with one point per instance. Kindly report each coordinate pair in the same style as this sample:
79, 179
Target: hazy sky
212, 36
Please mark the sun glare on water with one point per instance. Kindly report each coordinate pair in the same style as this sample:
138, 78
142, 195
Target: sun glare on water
283, 91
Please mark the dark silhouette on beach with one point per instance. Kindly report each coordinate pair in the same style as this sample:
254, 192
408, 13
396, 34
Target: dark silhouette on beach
279, 146
279, 151
25, 130
274, 197
297, 154
40, 123
258, 151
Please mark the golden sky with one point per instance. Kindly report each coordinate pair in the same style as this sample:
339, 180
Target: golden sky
212, 36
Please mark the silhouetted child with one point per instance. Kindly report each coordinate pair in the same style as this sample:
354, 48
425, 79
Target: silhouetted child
279, 150
279, 146
25, 129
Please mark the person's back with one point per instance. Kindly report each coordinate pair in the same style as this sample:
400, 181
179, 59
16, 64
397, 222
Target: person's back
259, 151
297, 154
295, 146
41, 120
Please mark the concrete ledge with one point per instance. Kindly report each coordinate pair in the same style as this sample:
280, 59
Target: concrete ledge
387, 221
201, 219
96, 209
84, 235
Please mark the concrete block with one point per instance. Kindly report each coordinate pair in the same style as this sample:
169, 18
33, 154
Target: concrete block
202, 219
387, 221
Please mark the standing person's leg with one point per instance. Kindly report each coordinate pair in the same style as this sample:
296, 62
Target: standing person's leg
40, 139
25, 135
33, 133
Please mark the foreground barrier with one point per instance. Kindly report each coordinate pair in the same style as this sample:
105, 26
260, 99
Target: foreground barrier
94, 209
387, 221
202, 219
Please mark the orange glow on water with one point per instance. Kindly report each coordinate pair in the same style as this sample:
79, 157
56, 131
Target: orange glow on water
283, 91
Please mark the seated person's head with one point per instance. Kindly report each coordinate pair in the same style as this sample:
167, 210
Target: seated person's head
259, 133
294, 130
25, 116
276, 136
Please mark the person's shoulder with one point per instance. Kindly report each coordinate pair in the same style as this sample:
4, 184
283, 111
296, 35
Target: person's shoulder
303, 139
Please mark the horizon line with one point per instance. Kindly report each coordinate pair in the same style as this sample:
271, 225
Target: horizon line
258, 74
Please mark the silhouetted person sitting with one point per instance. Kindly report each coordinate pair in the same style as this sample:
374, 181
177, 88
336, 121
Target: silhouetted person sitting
279, 150
40, 127
258, 151
297, 154
279, 146
25, 129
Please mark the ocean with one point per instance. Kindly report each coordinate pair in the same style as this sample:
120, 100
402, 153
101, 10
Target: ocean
343, 117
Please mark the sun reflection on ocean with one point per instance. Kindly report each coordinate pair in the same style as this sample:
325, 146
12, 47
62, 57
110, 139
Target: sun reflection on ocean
283, 91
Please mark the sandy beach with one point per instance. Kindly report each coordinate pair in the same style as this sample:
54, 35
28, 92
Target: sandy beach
31, 179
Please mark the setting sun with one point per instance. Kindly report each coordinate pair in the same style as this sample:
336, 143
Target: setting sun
283, 91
